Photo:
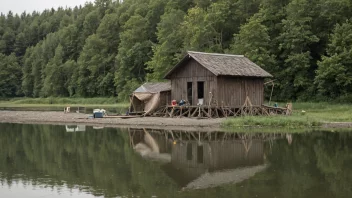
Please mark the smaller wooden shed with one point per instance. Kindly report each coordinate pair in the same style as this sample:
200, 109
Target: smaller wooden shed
150, 96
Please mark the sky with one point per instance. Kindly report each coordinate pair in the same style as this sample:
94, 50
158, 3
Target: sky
19, 6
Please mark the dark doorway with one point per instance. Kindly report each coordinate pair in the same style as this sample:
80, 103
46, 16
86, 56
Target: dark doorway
200, 90
189, 92
200, 153
189, 151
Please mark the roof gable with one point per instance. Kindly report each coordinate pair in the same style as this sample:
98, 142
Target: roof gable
224, 65
153, 87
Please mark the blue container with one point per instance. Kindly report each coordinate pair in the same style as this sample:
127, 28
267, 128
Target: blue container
98, 115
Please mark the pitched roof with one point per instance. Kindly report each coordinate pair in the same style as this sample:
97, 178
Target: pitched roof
154, 87
224, 65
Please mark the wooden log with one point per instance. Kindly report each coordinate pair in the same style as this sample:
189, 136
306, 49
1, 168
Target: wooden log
183, 114
223, 112
172, 112
230, 111
217, 113
206, 113
194, 112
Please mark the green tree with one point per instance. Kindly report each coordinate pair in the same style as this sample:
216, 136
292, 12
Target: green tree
10, 75
91, 23
8, 41
69, 39
297, 73
170, 44
92, 67
97, 60
134, 51
334, 74
254, 42
27, 77
55, 77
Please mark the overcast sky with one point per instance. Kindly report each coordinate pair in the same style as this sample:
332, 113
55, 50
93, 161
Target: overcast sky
18, 6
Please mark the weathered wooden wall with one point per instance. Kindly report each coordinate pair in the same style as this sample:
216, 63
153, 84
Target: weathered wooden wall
226, 90
232, 91
165, 98
193, 72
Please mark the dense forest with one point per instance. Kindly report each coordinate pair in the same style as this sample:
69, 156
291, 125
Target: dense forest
108, 48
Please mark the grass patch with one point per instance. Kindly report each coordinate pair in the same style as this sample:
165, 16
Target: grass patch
272, 121
315, 115
57, 104
52, 100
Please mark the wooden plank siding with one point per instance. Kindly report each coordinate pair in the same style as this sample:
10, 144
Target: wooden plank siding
232, 91
228, 91
165, 98
193, 72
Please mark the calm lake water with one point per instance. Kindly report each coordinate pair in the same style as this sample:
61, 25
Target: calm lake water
79, 161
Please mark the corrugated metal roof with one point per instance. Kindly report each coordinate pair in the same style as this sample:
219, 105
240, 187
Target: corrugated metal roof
154, 87
224, 64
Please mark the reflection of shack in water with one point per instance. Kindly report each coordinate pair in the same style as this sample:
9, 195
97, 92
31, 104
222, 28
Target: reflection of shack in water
151, 145
202, 160
75, 128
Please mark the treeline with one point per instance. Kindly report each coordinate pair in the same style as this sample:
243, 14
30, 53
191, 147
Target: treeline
109, 48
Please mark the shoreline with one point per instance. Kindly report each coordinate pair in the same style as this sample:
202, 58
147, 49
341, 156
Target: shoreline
60, 118
191, 124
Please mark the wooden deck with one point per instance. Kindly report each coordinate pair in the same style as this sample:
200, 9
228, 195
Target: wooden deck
204, 111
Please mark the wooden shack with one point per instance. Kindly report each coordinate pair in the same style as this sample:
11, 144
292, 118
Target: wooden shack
149, 97
225, 79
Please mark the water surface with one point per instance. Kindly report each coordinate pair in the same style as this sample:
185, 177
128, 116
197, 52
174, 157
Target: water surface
80, 161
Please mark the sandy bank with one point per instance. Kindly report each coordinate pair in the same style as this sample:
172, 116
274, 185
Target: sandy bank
60, 118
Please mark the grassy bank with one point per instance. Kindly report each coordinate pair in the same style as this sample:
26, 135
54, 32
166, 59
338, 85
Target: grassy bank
59, 103
315, 115
50, 100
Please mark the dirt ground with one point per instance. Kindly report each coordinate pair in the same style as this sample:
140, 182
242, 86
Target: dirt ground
60, 118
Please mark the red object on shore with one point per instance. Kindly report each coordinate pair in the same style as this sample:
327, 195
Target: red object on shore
173, 103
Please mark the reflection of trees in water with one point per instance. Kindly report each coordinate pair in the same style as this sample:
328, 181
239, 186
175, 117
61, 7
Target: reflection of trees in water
317, 163
100, 161
103, 162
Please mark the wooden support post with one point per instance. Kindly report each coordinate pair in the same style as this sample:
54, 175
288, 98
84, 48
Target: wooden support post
194, 112
206, 113
188, 111
172, 112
